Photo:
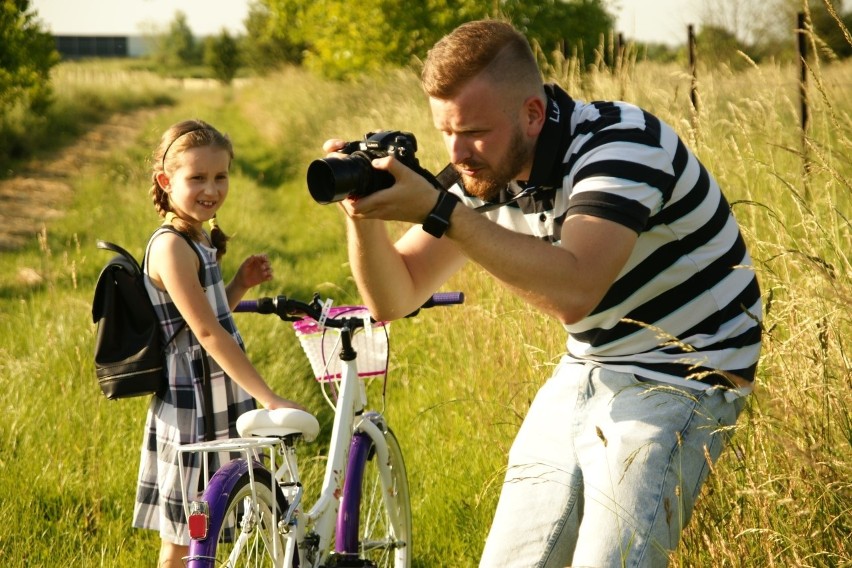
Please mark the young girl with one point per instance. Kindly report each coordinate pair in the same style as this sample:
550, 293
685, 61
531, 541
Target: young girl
189, 185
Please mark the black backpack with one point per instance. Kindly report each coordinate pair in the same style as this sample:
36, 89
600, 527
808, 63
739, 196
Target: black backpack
129, 344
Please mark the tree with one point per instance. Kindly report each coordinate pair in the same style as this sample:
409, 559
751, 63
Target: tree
270, 35
222, 55
766, 28
830, 31
345, 39
177, 48
719, 46
823, 16
341, 39
579, 26
27, 53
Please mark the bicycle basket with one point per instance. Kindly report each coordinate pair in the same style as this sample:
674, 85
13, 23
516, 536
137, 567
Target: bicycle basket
322, 345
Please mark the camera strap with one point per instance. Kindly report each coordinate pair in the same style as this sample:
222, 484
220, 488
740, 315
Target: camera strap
526, 192
438, 182
449, 176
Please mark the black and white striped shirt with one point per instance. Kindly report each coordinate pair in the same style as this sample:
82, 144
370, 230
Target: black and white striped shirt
687, 303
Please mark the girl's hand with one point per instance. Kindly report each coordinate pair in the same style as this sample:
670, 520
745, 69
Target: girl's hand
277, 402
254, 270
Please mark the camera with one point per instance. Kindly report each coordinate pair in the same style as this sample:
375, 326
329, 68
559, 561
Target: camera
335, 179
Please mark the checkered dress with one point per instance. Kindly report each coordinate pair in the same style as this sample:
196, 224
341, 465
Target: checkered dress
178, 416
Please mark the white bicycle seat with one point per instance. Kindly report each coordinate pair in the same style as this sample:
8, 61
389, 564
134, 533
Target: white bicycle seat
278, 422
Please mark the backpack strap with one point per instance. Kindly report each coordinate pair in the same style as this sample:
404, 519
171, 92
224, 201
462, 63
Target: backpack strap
106, 245
201, 262
207, 394
189, 241
207, 398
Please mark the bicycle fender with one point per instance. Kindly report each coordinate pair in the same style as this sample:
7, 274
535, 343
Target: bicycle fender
216, 495
369, 436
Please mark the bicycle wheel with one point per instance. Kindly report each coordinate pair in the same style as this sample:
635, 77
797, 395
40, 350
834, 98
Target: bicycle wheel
241, 531
365, 527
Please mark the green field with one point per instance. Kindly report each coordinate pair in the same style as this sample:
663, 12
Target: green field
461, 379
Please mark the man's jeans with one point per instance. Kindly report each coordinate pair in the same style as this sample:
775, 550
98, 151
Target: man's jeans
605, 470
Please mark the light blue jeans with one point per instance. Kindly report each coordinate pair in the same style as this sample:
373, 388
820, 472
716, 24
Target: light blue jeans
605, 470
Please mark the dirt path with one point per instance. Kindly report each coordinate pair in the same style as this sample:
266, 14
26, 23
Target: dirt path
40, 192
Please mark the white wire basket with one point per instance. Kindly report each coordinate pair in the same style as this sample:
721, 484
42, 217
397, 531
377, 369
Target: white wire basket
322, 345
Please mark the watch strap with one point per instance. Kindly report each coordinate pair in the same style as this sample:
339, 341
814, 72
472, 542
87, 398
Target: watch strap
438, 221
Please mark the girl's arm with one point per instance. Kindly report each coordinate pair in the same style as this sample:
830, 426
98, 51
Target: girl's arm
174, 266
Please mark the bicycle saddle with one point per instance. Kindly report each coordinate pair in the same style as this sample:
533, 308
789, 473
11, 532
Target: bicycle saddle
278, 423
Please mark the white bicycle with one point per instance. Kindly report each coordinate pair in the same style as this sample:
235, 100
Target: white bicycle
251, 511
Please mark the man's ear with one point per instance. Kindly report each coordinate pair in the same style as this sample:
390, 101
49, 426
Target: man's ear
534, 112
163, 181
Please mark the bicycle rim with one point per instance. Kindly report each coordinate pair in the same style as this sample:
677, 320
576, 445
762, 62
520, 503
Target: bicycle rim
247, 529
377, 541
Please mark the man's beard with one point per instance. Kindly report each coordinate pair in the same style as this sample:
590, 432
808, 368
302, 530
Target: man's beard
487, 187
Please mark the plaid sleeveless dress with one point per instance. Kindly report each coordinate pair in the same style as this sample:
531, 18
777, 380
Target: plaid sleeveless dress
177, 416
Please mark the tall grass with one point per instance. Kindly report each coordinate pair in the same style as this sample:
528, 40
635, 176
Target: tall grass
461, 379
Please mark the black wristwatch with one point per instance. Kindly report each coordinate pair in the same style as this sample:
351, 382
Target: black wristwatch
438, 221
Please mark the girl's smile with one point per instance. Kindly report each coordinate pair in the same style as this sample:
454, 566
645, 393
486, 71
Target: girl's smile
198, 187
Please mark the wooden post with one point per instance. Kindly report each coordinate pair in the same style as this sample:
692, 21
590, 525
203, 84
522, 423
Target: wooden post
803, 67
693, 88
693, 91
801, 40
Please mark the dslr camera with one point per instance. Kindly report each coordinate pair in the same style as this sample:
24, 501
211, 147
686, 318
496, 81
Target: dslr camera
334, 179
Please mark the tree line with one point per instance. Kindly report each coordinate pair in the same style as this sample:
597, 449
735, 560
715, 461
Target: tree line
340, 39
766, 30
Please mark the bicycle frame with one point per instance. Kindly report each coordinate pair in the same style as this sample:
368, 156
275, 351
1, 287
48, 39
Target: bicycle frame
305, 539
350, 425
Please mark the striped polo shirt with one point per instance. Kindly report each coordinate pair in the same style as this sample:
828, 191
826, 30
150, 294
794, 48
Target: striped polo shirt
687, 303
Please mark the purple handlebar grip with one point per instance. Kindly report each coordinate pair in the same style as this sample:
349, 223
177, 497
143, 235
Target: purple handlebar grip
446, 299
246, 306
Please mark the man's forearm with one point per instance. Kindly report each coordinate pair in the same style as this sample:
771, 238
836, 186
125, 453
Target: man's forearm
380, 273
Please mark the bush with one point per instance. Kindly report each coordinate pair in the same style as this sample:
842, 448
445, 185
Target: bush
26, 58
223, 56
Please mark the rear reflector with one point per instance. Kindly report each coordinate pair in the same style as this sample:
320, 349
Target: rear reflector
199, 513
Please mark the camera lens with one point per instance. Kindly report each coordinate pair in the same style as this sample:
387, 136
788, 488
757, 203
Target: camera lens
335, 179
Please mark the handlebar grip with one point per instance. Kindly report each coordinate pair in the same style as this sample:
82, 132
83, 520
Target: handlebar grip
246, 306
259, 306
445, 299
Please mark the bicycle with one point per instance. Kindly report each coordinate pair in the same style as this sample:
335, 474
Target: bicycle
250, 513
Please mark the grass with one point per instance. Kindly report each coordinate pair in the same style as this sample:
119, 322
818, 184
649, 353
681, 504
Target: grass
461, 378
83, 93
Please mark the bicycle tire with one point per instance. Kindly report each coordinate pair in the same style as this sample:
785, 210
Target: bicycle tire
364, 529
227, 494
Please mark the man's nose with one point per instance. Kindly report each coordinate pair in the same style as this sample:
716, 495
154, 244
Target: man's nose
458, 149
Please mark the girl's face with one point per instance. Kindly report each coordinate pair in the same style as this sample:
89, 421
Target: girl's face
199, 185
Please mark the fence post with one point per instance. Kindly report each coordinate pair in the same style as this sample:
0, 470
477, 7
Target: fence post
693, 69
801, 41
803, 68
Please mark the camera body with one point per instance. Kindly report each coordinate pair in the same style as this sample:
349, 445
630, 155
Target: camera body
334, 179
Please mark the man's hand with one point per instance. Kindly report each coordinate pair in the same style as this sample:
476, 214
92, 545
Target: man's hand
410, 199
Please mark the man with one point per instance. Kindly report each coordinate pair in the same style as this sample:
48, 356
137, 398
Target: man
635, 252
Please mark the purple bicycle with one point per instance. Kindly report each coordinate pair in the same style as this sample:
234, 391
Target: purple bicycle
251, 512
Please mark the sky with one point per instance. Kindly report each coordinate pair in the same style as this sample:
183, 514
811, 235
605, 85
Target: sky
660, 21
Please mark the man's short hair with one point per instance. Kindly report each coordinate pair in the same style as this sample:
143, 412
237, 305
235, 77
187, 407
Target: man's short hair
490, 46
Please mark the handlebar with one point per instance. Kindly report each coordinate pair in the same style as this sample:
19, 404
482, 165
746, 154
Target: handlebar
289, 309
